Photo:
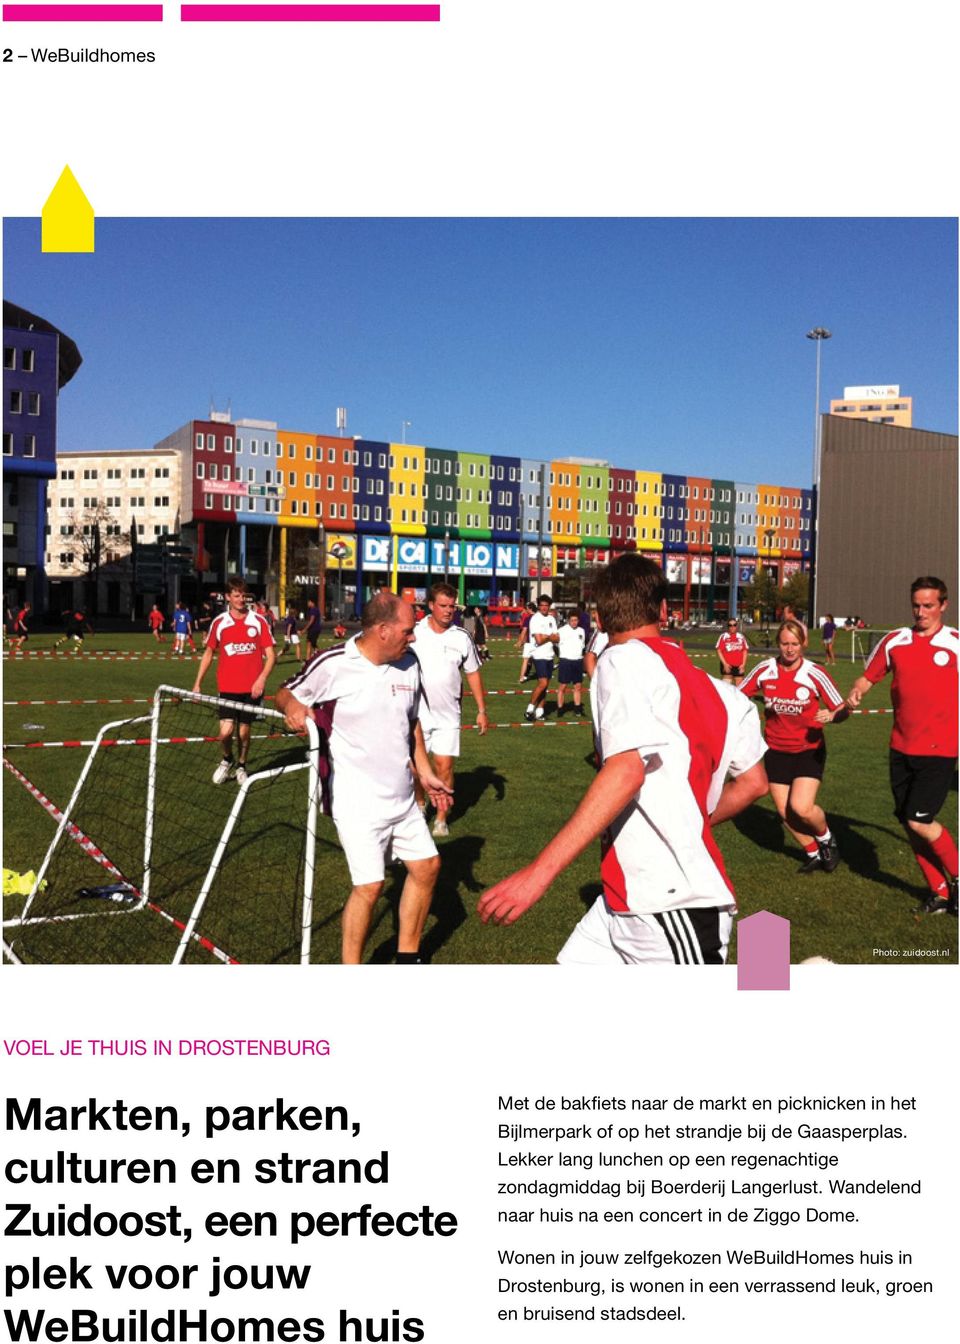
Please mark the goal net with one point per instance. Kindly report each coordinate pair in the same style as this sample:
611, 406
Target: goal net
152, 861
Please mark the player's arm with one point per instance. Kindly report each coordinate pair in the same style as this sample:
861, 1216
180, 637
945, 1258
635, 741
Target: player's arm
619, 781
739, 793
294, 711
475, 682
204, 668
433, 785
858, 690
269, 659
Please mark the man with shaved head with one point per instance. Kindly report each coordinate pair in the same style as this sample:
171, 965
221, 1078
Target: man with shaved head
369, 691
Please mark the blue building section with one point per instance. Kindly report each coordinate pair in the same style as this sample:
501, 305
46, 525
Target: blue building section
674, 506
745, 518
505, 492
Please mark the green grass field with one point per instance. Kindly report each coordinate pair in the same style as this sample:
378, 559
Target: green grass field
515, 787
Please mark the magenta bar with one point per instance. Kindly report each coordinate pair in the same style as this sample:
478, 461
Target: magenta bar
83, 13
763, 952
310, 13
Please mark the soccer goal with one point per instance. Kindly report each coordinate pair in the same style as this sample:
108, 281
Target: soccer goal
151, 861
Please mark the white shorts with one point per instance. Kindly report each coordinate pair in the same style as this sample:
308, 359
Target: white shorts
292, 639
441, 741
368, 844
529, 650
692, 936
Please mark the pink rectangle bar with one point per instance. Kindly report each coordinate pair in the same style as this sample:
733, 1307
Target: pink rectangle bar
83, 13
310, 13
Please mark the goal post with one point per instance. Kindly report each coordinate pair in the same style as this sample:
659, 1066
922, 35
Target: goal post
223, 870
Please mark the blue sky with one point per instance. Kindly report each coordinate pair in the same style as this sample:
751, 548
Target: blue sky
673, 345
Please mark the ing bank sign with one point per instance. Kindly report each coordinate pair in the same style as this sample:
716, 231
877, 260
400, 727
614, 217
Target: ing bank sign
422, 555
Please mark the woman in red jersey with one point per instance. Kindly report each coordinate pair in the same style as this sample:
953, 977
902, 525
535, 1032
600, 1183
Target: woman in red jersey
798, 698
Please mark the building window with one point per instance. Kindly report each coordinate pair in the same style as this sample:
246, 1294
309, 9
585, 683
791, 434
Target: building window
8, 445
228, 444
29, 445
207, 503
200, 468
16, 403
161, 501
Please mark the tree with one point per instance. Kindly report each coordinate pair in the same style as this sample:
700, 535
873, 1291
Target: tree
760, 594
795, 592
96, 537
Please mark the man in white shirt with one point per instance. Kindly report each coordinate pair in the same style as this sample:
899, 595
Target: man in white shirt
571, 640
544, 637
668, 736
367, 692
444, 651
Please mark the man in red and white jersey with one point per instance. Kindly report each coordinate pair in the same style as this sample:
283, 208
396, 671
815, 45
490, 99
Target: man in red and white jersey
668, 736
923, 744
243, 644
369, 690
732, 647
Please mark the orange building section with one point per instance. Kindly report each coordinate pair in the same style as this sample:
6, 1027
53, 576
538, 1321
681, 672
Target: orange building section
697, 521
565, 502
296, 459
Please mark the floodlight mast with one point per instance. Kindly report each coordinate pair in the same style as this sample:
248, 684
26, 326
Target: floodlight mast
819, 335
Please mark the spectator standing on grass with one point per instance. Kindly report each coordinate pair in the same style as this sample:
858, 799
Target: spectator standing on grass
923, 744
544, 636
828, 632
445, 652
291, 633
570, 671
241, 642
732, 648
799, 698
376, 747
155, 620
667, 737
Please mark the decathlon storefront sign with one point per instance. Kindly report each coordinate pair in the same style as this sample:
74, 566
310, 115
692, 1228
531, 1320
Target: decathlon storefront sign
423, 555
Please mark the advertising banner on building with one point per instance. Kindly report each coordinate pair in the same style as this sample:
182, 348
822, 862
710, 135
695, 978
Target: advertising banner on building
539, 561
700, 569
675, 568
224, 487
791, 567
746, 570
347, 558
423, 555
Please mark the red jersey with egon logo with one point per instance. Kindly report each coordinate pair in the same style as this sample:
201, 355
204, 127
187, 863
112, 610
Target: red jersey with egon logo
792, 698
733, 649
924, 689
241, 642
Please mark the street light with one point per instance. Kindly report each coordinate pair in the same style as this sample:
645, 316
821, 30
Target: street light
322, 578
446, 556
338, 550
818, 335
769, 533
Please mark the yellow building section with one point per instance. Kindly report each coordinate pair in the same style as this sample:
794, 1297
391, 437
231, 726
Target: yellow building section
298, 471
647, 517
407, 501
564, 492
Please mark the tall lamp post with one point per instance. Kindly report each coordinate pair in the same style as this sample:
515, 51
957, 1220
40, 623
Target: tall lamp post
322, 579
768, 535
818, 335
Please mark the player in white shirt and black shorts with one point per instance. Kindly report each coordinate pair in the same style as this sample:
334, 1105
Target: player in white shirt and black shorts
571, 641
444, 652
544, 636
368, 693
678, 754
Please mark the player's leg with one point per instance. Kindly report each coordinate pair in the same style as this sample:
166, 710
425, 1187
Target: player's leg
578, 694
443, 765
806, 814
415, 901
355, 921
780, 793
920, 786
222, 771
243, 746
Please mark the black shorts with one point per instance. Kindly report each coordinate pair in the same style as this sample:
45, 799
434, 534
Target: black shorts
543, 667
783, 767
729, 671
570, 672
920, 784
229, 714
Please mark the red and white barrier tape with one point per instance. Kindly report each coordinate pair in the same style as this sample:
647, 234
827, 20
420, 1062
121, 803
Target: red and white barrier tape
88, 846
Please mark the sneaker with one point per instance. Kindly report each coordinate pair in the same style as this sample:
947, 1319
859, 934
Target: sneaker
936, 905
440, 827
952, 899
240, 774
561, 710
829, 854
539, 712
529, 712
813, 864
222, 772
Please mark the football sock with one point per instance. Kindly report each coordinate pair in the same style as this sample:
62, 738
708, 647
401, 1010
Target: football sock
946, 851
811, 848
825, 838
409, 959
932, 875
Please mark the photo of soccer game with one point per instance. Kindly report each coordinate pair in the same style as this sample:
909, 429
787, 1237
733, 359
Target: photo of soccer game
588, 690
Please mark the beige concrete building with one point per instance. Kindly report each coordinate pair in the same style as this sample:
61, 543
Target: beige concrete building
882, 403
113, 491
